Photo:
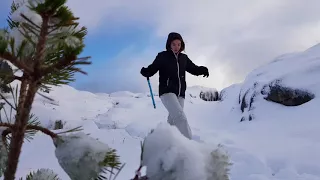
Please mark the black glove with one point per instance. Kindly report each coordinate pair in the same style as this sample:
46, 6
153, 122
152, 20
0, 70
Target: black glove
204, 71
144, 72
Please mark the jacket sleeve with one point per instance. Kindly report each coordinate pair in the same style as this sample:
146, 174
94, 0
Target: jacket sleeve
192, 68
154, 67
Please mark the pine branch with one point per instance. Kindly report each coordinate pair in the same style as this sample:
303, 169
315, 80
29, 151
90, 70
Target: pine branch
5, 99
33, 121
21, 48
102, 177
62, 63
31, 22
81, 61
12, 23
5, 133
27, 28
40, 49
17, 78
120, 169
31, 127
27, 36
79, 128
77, 70
112, 161
19, 64
46, 97
43, 130
27, 93
43, 59
68, 24
14, 95
8, 125
3, 156
59, 26
4, 137
8, 119
37, 127
14, 7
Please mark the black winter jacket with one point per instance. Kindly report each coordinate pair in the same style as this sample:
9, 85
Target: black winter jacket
172, 72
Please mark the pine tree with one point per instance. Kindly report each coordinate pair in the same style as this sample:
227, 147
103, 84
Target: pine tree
42, 43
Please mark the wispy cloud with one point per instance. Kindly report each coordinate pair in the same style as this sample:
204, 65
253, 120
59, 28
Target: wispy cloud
230, 37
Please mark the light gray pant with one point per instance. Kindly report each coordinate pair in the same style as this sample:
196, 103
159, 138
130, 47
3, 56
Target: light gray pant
176, 116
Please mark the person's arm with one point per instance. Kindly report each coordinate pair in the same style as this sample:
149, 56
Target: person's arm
196, 70
153, 68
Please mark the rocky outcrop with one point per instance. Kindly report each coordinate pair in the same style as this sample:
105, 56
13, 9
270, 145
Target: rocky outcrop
287, 96
290, 80
209, 95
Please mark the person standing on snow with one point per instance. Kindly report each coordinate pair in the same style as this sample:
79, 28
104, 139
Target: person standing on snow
172, 66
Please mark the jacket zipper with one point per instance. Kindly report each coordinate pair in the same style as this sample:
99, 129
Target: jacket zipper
178, 73
168, 82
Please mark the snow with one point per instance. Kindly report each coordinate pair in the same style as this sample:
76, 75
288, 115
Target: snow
67, 32
168, 155
279, 143
44, 174
31, 15
80, 155
24, 9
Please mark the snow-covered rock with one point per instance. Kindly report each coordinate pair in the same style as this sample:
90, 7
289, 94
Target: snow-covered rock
290, 80
168, 155
209, 95
204, 93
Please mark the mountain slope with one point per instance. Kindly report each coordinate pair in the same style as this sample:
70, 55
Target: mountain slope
278, 142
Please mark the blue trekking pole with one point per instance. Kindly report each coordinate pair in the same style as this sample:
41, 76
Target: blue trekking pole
154, 104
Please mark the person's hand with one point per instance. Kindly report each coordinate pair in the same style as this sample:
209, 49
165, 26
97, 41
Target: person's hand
204, 71
144, 72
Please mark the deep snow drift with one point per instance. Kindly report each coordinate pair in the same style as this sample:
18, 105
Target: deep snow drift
278, 142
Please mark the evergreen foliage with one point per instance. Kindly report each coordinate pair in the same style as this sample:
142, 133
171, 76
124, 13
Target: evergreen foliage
42, 174
39, 49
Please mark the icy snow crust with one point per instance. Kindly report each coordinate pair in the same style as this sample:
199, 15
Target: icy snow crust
281, 143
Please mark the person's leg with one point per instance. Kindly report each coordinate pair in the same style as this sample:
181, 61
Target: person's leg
181, 102
176, 115
170, 119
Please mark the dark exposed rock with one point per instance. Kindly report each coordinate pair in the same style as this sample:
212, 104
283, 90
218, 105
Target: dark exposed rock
288, 96
247, 100
209, 95
58, 124
274, 92
244, 103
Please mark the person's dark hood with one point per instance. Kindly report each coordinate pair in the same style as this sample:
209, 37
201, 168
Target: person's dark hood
173, 36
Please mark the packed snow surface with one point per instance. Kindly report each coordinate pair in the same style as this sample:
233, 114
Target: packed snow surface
280, 143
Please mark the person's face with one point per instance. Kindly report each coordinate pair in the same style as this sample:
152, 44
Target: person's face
175, 45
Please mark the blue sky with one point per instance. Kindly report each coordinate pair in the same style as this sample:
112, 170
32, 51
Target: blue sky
230, 37
4, 12
104, 46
